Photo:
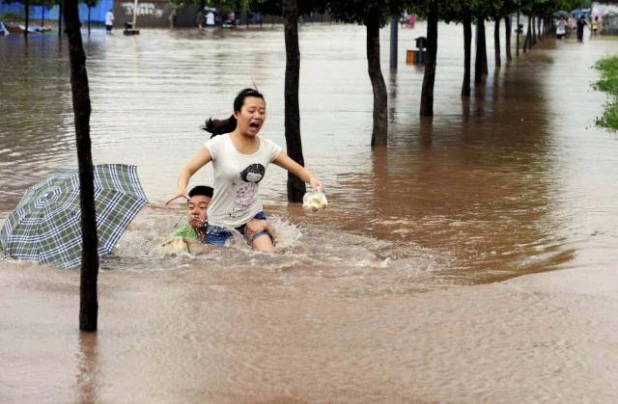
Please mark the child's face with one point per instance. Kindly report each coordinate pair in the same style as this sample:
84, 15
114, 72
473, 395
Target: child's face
197, 208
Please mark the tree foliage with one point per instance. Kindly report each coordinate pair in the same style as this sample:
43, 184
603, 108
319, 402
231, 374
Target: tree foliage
275, 7
359, 11
455, 10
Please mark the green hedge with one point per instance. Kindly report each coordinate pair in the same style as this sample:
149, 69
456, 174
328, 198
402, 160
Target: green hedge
608, 83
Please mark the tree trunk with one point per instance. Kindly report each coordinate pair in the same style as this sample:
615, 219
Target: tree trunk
394, 40
528, 39
380, 100
485, 68
429, 77
467, 27
517, 37
89, 305
296, 187
27, 16
508, 26
480, 63
533, 23
60, 12
497, 57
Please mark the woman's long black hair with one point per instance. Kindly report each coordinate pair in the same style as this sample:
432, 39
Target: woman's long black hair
221, 126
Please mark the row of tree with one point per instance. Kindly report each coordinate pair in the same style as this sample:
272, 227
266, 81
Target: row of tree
375, 14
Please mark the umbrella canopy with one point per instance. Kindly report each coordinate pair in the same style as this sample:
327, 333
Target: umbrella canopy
562, 13
45, 226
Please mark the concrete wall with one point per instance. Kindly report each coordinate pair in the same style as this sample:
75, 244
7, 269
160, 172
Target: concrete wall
153, 13
156, 13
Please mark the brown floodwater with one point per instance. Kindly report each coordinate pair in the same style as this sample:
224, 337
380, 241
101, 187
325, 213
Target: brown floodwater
401, 291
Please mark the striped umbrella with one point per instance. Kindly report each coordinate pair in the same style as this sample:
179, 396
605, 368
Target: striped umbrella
45, 226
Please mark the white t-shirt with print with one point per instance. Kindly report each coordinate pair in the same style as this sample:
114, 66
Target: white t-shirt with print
237, 178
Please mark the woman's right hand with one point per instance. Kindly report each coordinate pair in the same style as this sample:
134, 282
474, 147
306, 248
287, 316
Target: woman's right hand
176, 196
316, 184
198, 161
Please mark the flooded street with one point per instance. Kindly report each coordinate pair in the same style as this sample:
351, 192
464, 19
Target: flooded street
471, 261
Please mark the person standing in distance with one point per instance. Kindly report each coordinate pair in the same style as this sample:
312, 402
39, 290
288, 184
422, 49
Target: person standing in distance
561, 28
200, 19
109, 21
210, 19
581, 23
240, 159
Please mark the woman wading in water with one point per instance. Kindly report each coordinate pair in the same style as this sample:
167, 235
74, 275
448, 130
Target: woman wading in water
239, 159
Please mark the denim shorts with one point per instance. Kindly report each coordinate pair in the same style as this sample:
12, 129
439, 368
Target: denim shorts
216, 235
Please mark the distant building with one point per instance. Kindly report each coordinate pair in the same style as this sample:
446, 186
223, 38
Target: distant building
149, 13
38, 12
607, 11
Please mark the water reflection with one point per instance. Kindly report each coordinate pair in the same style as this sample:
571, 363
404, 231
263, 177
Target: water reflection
36, 107
474, 186
87, 390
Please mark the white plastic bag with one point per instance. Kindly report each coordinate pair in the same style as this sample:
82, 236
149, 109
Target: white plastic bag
314, 201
